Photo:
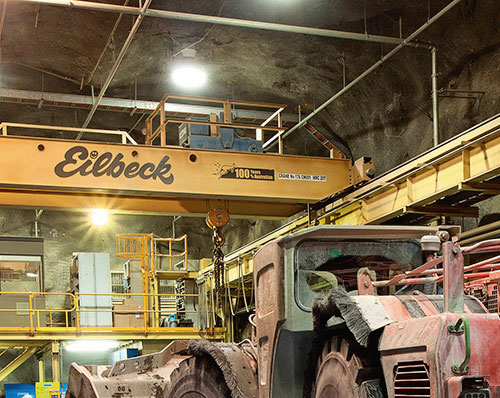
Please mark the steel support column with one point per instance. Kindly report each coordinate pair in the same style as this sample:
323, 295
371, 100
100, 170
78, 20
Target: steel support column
56, 366
41, 370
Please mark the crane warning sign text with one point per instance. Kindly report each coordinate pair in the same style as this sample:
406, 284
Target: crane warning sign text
301, 177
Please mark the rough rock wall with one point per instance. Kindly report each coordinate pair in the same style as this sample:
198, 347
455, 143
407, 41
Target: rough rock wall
392, 144
67, 232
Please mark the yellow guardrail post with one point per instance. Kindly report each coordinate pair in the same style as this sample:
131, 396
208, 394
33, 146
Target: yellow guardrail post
146, 315
77, 311
185, 253
31, 312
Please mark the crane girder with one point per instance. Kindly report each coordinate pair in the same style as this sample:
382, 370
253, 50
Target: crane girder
59, 174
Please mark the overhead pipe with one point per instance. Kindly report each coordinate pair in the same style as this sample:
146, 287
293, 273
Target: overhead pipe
145, 11
241, 23
481, 233
435, 98
103, 52
494, 226
117, 63
281, 135
38, 214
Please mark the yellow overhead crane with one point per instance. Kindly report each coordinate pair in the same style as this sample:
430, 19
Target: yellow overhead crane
57, 174
61, 174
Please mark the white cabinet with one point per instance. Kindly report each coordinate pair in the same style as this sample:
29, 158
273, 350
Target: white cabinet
90, 276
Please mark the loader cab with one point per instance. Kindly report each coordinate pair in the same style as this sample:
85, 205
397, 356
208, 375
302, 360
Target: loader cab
322, 263
291, 271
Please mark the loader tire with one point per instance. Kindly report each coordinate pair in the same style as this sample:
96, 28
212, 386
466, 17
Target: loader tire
197, 377
340, 372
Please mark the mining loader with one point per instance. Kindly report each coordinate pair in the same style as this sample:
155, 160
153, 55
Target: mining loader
341, 312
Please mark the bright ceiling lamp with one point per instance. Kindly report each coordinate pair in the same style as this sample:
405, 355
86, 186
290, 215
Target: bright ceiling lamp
100, 217
186, 72
189, 76
31, 275
91, 345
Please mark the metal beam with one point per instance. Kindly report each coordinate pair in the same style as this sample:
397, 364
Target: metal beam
181, 16
485, 187
116, 65
128, 105
56, 361
47, 334
64, 174
17, 343
16, 362
41, 370
146, 204
450, 211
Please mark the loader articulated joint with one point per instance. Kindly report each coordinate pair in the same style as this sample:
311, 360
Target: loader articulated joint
459, 327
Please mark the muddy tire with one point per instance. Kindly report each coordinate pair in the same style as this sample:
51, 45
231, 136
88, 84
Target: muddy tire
340, 372
197, 377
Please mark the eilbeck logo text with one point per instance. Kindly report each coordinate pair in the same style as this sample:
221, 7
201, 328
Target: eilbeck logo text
77, 161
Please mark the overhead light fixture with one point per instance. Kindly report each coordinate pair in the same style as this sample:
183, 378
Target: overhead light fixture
186, 72
189, 76
100, 217
31, 275
91, 345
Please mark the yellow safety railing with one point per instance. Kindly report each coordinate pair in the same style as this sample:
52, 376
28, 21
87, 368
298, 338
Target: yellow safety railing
132, 245
171, 256
125, 137
34, 313
160, 119
142, 246
151, 250
41, 317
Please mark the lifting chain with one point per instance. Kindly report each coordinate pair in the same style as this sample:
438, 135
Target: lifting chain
218, 261
216, 219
